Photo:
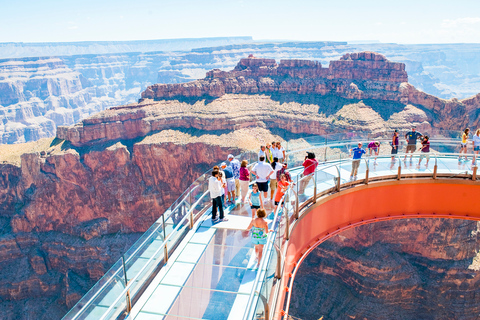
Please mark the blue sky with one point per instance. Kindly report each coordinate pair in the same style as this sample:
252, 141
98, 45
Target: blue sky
406, 21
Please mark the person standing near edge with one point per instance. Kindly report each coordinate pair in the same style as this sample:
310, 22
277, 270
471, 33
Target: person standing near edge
261, 153
260, 230
476, 145
411, 138
235, 164
280, 152
230, 190
463, 144
215, 187
357, 155
309, 166
268, 153
262, 171
394, 144
244, 179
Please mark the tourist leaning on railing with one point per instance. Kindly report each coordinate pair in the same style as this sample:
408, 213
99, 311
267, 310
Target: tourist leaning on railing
309, 165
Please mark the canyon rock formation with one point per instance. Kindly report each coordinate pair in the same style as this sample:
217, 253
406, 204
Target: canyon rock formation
403, 269
71, 205
105, 74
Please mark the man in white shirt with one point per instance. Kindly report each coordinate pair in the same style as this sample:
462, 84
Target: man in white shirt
215, 187
262, 171
261, 153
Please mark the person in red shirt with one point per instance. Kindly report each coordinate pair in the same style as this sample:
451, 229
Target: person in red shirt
310, 164
282, 187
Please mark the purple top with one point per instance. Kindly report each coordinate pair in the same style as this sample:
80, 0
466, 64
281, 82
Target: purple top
372, 145
425, 146
244, 174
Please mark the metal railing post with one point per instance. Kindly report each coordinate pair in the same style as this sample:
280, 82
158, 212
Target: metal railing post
338, 179
165, 253
127, 296
435, 167
265, 306
315, 186
296, 204
474, 173
287, 224
367, 171
399, 174
278, 269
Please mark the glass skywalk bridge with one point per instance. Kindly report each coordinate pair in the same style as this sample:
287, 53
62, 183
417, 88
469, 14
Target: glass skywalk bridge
184, 267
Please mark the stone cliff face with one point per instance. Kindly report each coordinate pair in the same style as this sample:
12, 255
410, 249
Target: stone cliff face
254, 75
361, 91
67, 214
99, 80
406, 269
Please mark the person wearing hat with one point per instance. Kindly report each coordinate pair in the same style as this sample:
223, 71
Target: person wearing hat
230, 186
357, 156
309, 165
235, 164
412, 137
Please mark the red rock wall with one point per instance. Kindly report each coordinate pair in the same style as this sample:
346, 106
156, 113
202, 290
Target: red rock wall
66, 218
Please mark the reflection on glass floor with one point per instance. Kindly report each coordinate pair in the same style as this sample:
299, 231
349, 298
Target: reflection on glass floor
211, 274
211, 277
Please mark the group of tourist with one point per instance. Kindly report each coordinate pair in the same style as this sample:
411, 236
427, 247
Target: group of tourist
411, 139
270, 172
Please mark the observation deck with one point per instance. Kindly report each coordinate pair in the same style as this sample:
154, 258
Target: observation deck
184, 267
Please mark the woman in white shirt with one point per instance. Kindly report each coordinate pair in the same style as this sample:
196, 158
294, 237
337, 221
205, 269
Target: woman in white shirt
273, 178
280, 152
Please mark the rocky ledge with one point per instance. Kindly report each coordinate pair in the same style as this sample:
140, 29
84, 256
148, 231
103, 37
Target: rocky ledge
361, 91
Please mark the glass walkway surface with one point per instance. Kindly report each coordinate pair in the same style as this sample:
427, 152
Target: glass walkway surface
186, 268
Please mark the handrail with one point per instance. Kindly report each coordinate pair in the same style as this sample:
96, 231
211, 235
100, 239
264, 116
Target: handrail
276, 222
128, 286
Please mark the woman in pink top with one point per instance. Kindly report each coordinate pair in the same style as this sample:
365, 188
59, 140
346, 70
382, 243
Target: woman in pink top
244, 179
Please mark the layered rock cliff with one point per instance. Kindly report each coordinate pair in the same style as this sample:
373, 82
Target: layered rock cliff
404, 269
116, 172
67, 214
361, 91
106, 74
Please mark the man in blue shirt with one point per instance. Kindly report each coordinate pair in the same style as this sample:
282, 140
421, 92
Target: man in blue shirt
357, 155
411, 138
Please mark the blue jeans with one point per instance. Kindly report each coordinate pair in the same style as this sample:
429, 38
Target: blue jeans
217, 202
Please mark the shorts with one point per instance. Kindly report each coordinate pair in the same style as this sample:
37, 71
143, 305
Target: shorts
262, 186
394, 150
476, 148
424, 155
259, 241
231, 184
355, 164
411, 147
463, 145
273, 184
254, 207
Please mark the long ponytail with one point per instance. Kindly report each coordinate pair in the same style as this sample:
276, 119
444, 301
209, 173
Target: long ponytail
274, 163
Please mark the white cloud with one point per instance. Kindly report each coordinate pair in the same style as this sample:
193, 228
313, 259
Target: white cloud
460, 22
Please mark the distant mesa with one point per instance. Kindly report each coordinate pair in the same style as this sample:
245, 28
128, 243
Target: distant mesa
259, 75
260, 92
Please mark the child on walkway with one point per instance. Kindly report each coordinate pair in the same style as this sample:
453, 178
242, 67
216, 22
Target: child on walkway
259, 229
255, 199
